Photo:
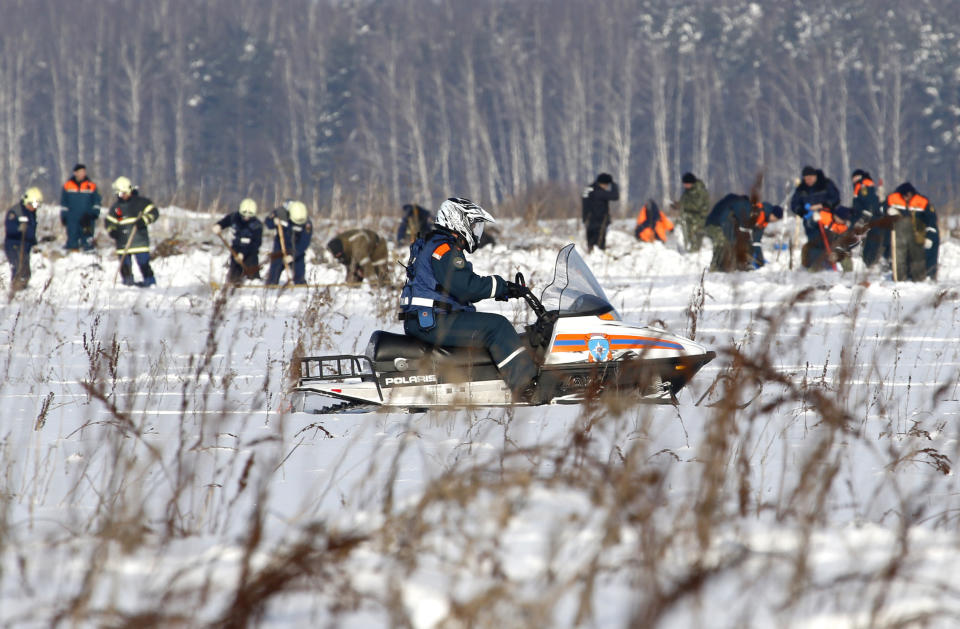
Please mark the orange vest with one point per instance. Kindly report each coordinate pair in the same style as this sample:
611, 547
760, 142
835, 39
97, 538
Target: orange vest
862, 182
918, 203
660, 229
85, 186
827, 220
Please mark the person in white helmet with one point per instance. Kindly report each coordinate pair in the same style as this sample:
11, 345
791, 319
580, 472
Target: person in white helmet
126, 222
297, 230
441, 288
247, 238
21, 236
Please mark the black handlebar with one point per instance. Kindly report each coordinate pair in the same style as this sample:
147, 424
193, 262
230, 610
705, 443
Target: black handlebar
529, 297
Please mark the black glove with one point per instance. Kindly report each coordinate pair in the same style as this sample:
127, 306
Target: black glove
515, 291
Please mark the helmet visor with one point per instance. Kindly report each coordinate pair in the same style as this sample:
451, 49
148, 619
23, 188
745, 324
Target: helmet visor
477, 229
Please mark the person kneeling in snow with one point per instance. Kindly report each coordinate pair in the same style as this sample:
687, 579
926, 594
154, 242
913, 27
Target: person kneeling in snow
652, 224
441, 288
363, 252
126, 222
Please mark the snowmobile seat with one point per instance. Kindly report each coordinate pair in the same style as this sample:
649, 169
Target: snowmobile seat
385, 347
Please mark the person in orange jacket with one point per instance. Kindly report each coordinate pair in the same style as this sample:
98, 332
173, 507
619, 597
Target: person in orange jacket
652, 224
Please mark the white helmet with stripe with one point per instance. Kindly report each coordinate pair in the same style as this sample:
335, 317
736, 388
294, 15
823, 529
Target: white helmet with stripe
464, 217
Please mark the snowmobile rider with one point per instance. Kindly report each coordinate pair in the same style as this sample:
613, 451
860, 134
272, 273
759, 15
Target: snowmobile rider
21, 236
415, 222
294, 231
80, 208
916, 236
814, 200
247, 238
437, 299
126, 222
595, 208
363, 252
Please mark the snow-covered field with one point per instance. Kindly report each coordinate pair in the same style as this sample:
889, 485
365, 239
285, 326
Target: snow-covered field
150, 475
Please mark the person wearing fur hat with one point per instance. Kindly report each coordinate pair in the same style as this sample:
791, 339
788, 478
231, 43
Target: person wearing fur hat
916, 237
694, 207
596, 209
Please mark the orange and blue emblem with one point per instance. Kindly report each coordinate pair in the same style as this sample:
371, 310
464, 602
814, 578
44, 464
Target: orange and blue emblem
600, 346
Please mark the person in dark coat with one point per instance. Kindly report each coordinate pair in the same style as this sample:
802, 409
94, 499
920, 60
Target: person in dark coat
127, 223
363, 252
596, 209
693, 205
293, 222
436, 303
866, 212
814, 200
916, 234
80, 208
732, 233
247, 238
21, 236
416, 220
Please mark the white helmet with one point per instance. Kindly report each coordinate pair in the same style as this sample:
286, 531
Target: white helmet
32, 198
248, 208
122, 185
464, 217
297, 211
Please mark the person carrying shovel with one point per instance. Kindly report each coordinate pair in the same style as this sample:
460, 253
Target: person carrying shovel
247, 237
294, 230
126, 222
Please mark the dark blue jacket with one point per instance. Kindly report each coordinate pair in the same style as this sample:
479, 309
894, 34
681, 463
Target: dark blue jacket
80, 199
866, 202
437, 271
731, 213
823, 192
247, 233
296, 238
18, 216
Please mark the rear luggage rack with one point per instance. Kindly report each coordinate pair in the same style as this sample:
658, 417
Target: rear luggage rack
337, 368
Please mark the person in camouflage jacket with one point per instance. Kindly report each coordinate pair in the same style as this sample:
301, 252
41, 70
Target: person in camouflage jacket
694, 207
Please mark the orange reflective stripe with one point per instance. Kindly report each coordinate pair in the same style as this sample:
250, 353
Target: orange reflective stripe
441, 251
71, 186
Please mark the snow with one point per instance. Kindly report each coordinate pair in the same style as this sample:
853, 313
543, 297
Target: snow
143, 431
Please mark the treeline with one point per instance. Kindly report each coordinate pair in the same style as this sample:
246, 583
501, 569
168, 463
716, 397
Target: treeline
414, 100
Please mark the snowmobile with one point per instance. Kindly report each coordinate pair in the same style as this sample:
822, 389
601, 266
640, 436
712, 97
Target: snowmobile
583, 348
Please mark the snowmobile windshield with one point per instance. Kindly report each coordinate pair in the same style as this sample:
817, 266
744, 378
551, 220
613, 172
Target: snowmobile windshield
574, 290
